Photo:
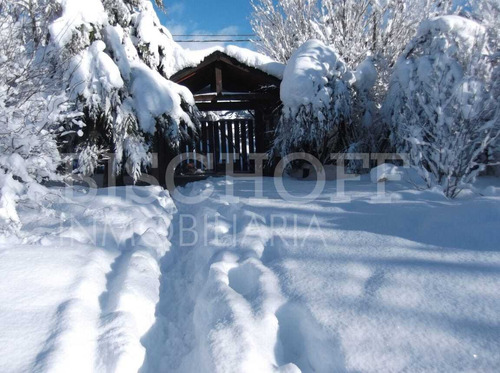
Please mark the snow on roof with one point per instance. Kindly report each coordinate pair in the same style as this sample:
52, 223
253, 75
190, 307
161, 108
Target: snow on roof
191, 58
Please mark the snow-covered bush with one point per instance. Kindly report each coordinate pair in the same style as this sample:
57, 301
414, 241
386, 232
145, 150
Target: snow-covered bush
495, 92
283, 26
487, 12
358, 30
316, 96
33, 107
441, 104
119, 59
355, 28
369, 137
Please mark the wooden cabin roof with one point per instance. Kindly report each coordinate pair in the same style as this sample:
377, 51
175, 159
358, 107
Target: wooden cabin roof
221, 82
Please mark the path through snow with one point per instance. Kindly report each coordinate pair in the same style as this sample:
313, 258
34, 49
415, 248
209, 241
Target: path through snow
268, 285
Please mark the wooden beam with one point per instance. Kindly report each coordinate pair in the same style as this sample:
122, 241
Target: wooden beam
213, 97
188, 70
216, 106
218, 80
180, 80
237, 147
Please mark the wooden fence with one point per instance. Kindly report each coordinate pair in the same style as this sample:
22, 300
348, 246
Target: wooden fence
235, 137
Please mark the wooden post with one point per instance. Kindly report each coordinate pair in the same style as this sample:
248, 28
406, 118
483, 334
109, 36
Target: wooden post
198, 164
251, 144
223, 141
204, 141
215, 134
162, 157
237, 166
218, 80
230, 139
260, 132
244, 135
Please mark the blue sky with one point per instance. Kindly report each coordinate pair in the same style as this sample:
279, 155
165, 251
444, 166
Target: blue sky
210, 17
207, 17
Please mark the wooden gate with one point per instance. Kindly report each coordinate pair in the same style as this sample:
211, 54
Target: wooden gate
218, 138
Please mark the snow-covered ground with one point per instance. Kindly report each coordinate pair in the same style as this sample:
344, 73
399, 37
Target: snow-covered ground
359, 282
80, 284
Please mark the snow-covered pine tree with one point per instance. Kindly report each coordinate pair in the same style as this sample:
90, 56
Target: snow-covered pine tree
442, 105
119, 60
99, 66
316, 94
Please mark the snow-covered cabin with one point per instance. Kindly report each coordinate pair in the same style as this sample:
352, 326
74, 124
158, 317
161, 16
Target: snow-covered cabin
239, 96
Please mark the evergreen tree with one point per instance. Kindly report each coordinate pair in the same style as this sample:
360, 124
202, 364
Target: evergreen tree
119, 58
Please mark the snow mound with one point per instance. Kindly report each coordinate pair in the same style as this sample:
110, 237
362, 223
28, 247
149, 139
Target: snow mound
386, 172
80, 282
307, 74
366, 75
468, 31
316, 92
491, 191
9, 194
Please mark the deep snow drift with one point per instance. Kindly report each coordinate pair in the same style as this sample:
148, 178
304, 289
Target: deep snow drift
352, 281
80, 284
